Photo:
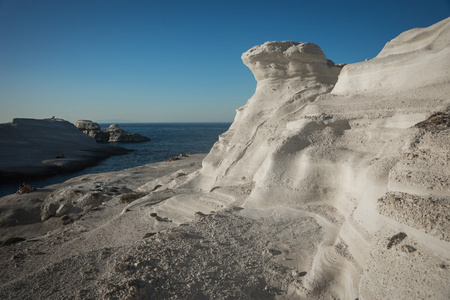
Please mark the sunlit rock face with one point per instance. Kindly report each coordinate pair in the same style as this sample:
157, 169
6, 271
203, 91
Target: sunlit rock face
342, 145
327, 190
87, 125
92, 129
289, 76
416, 58
283, 60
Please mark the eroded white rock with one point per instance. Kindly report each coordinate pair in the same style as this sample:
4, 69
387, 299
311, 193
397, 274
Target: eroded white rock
287, 59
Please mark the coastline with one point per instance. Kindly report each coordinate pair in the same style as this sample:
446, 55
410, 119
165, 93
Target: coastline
331, 182
20, 215
116, 246
168, 139
33, 148
34, 170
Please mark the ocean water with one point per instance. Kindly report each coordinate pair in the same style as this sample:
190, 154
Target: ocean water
167, 139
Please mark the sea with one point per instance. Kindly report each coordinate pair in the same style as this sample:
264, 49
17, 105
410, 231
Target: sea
167, 139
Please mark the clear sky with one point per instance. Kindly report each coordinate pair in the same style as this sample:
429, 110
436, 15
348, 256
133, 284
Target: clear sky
172, 61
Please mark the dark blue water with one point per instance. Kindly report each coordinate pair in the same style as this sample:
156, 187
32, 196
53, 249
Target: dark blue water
167, 139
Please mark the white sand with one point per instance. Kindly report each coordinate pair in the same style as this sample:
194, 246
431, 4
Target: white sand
323, 188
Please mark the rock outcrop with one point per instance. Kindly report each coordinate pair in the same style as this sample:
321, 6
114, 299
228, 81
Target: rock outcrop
346, 150
92, 129
285, 60
112, 134
31, 147
414, 59
270, 121
86, 126
118, 135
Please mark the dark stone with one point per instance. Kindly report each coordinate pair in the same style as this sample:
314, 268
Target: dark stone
396, 239
130, 197
149, 234
12, 241
436, 122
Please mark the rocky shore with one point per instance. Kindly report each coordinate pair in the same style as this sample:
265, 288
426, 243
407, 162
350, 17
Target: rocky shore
112, 134
36, 148
331, 183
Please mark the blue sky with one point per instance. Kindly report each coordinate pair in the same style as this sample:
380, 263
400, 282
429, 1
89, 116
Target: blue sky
172, 61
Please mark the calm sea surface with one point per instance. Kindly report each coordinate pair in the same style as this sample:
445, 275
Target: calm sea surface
166, 139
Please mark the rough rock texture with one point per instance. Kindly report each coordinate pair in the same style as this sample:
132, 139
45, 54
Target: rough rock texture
430, 213
112, 134
87, 125
326, 186
264, 124
299, 146
31, 147
283, 60
118, 135
92, 129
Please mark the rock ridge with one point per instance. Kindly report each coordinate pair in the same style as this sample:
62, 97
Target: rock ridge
112, 134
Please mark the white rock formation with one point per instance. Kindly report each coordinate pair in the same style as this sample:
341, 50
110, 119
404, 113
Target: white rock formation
326, 186
264, 124
416, 58
118, 135
285, 60
350, 156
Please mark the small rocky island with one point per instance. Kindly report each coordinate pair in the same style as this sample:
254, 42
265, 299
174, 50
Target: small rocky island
112, 134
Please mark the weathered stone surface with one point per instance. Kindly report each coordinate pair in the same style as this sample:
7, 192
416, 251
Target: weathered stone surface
427, 213
87, 125
287, 59
92, 129
118, 135
49, 210
63, 209
99, 136
112, 134
294, 183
